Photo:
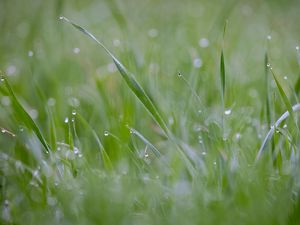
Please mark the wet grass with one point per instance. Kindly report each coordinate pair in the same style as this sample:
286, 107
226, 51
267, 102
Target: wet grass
180, 124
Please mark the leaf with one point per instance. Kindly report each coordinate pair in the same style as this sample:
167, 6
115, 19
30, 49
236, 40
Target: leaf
24, 116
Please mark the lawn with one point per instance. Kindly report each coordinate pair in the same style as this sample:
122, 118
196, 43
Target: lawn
149, 112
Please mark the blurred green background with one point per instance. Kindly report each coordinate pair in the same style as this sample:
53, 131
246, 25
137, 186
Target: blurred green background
73, 91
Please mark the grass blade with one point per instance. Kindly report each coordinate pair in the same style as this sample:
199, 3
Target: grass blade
132, 83
28, 121
269, 135
222, 75
284, 97
104, 156
268, 111
146, 141
139, 92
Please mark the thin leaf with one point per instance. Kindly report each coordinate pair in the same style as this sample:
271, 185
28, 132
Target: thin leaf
28, 121
284, 97
146, 141
135, 87
139, 92
222, 74
268, 111
270, 133
105, 158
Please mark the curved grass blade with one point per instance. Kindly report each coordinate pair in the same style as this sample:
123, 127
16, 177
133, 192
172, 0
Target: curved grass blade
28, 121
139, 92
106, 160
269, 135
284, 97
135, 87
147, 142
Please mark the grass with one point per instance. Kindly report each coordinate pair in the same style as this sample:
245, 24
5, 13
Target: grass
127, 139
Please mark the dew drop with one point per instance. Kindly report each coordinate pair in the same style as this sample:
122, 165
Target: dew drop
152, 33
238, 136
146, 155
227, 112
203, 153
284, 126
116, 42
30, 53
11, 70
51, 101
179, 74
197, 62
269, 37
111, 67
215, 163
66, 120
297, 48
5, 100
285, 77
106, 133
73, 112
3, 130
203, 43
76, 50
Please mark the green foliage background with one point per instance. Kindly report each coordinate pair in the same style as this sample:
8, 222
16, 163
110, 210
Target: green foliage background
102, 167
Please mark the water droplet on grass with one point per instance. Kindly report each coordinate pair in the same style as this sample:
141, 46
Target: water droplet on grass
238, 136
227, 112
297, 48
106, 133
73, 112
66, 120
11, 70
116, 42
152, 33
285, 77
111, 67
197, 62
284, 126
5, 100
33, 113
51, 101
76, 50
30, 53
269, 37
203, 43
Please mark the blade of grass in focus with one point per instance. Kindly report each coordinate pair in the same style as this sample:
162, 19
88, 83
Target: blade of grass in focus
139, 92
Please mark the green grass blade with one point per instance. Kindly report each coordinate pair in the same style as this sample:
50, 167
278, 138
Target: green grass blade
139, 92
268, 111
132, 83
105, 158
146, 141
284, 97
28, 121
222, 74
270, 133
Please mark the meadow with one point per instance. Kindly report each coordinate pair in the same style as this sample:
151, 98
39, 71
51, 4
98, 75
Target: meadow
149, 112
